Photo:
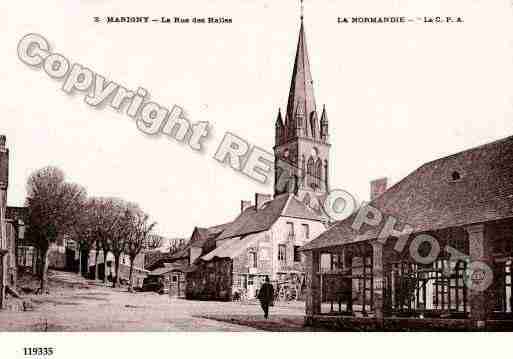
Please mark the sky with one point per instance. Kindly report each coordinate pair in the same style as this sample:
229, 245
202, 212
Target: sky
397, 95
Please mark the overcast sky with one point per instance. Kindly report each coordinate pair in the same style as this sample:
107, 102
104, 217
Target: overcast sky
396, 95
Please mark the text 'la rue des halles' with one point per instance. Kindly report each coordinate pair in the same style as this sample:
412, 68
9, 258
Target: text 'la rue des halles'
165, 19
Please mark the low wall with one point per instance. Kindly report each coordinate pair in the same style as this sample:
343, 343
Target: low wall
392, 324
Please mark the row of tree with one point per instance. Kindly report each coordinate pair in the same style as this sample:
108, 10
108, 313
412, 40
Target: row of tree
57, 208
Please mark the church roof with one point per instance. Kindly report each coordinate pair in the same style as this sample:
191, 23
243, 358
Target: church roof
469, 187
301, 95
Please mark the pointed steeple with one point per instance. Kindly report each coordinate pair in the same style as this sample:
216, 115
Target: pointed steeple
279, 130
324, 124
301, 103
279, 121
324, 116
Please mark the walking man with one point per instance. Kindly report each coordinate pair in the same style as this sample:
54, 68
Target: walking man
266, 296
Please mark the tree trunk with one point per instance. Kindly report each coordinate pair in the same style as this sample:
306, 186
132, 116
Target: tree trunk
44, 270
131, 278
35, 260
105, 266
115, 282
79, 261
96, 256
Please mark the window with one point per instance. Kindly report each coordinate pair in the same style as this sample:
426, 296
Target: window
175, 279
297, 254
253, 259
290, 226
455, 176
306, 231
282, 252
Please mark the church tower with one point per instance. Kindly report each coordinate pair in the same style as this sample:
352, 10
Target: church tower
301, 136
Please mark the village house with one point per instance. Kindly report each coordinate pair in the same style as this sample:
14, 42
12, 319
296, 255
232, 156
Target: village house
8, 230
173, 268
109, 269
438, 244
264, 240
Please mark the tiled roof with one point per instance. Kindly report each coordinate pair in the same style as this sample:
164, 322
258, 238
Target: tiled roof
431, 199
253, 220
204, 234
200, 238
232, 248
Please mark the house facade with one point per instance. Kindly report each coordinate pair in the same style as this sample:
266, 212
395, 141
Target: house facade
8, 233
264, 240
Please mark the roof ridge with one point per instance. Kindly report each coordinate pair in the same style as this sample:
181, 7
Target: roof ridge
479, 147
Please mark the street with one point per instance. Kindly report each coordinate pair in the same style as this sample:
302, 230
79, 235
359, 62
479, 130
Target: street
93, 307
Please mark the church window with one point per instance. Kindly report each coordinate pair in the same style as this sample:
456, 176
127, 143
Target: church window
310, 172
313, 124
318, 172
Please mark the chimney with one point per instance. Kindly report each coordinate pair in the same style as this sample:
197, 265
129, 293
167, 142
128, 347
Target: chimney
260, 199
378, 187
244, 205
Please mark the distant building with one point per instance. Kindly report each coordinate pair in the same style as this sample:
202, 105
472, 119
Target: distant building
8, 270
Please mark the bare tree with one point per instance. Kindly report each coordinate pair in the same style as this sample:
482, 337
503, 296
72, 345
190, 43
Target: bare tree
83, 231
139, 238
153, 241
53, 208
106, 222
119, 233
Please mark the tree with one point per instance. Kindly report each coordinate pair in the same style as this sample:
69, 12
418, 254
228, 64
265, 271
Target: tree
83, 231
153, 241
53, 208
121, 212
139, 238
106, 221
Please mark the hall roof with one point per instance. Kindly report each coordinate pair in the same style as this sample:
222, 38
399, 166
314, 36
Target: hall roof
469, 187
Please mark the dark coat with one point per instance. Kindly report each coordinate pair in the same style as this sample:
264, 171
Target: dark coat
266, 293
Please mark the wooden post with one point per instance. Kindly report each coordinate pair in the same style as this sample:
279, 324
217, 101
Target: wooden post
481, 273
313, 299
378, 280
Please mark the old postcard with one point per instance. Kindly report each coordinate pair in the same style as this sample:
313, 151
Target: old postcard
254, 166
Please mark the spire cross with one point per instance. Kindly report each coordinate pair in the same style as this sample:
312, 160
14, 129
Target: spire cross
302, 10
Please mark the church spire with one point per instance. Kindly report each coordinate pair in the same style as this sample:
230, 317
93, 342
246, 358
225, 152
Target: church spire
301, 103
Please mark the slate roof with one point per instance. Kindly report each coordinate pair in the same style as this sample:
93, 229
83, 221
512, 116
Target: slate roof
251, 222
254, 221
204, 236
430, 199
301, 95
231, 249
